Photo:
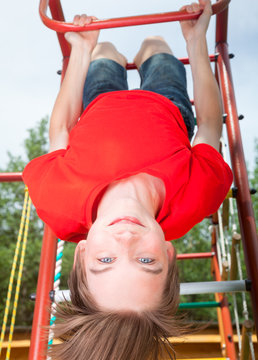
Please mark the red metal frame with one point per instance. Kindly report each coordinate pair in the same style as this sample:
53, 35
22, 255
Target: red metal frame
246, 217
225, 313
185, 61
60, 26
206, 255
10, 177
41, 315
244, 202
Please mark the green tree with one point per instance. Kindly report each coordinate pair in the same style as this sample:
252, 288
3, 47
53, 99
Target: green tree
11, 202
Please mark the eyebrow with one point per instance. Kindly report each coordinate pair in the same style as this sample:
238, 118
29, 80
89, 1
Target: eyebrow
99, 271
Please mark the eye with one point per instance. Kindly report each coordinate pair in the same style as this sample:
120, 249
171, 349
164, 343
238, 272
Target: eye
106, 260
146, 260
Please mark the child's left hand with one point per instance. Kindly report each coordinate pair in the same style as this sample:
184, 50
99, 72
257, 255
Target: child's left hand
88, 38
193, 29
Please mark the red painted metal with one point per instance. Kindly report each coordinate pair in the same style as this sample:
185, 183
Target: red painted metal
222, 27
61, 26
195, 256
226, 318
11, 177
244, 202
185, 61
45, 285
57, 13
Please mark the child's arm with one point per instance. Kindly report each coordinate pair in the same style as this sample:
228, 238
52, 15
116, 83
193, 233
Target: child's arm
68, 105
206, 92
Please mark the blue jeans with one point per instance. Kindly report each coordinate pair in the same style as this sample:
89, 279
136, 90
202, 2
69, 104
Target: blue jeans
161, 73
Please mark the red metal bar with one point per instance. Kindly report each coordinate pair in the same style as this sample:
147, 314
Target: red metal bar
57, 13
244, 202
225, 313
41, 316
222, 26
195, 256
11, 177
185, 61
61, 26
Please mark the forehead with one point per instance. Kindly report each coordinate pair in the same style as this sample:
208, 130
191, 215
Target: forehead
126, 288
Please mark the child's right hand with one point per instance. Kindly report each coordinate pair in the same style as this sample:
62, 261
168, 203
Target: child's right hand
88, 38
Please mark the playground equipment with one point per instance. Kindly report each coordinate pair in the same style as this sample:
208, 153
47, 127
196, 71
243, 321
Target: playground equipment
19, 256
223, 260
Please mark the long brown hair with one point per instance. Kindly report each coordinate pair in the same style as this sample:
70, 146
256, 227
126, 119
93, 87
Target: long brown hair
88, 333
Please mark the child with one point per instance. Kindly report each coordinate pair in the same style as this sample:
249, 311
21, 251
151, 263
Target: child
126, 176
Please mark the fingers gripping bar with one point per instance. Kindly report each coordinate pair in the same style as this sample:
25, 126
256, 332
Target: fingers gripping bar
59, 25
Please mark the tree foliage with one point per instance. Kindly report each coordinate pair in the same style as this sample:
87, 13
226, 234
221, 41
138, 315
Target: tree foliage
11, 202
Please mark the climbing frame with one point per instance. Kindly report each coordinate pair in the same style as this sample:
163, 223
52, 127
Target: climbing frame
248, 235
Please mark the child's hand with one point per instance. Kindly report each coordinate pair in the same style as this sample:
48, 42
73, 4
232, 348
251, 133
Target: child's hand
88, 38
192, 29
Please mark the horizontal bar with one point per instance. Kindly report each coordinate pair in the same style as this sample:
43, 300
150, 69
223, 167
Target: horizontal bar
195, 256
213, 287
197, 305
62, 26
10, 177
185, 61
208, 359
185, 288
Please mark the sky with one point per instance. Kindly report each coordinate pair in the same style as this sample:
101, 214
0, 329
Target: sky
31, 56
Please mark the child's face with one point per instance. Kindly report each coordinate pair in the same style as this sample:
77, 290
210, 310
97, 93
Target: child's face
126, 263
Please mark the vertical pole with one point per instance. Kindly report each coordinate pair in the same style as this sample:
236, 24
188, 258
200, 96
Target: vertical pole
57, 14
245, 347
225, 313
245, 209
244, 202
221, 329
41, 318
39, 338
236, 238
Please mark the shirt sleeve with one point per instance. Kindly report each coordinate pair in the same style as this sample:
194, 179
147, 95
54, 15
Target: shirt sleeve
35, 171
50, 193
208, 180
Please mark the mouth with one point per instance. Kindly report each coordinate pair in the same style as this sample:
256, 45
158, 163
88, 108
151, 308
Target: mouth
126, 220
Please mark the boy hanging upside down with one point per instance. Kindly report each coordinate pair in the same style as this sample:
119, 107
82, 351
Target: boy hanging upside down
121, 181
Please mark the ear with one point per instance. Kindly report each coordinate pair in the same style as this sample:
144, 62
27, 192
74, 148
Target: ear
170, 251
81, 247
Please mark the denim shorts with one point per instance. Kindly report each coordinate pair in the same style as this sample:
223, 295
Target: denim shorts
161, 73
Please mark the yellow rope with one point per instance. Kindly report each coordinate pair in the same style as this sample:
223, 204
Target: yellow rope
24, 219
18, 284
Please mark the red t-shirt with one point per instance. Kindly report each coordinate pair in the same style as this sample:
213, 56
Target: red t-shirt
121, 134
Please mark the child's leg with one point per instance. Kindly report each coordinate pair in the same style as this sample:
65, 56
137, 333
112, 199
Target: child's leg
106, 50
106, 72
163, 73
151, 46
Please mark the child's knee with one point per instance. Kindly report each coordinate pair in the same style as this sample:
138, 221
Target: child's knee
108, 51
156, 44
151, 45
153, 38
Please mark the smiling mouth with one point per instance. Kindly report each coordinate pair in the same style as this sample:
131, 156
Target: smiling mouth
126, 220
